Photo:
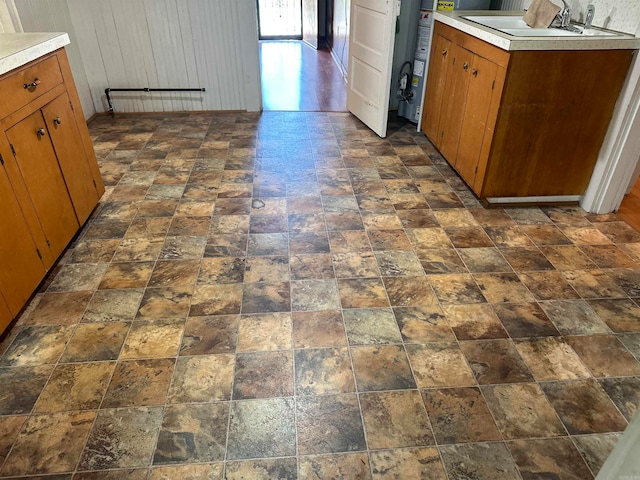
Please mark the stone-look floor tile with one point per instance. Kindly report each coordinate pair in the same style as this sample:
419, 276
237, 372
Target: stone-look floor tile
188, 226
545, 235
318, 329
439, 365
605, 356
94, 251
468, 237
78, 386
508, 236
585, 235
619, 232
59, 309
174, 273
78, 277
459, 415
211, 471
425, 239
113, 306
122, 438
138, 250
596, 448
443, 200
223, 299
49, 444
491, 216
481, 461
551, 358
620, 314
204, 378
626, 278
21, 387
323, 371
220, 270
127, 275
395, 420
271, 331
632, 342
210, 335
349, 241
355, 265
608, 256
37, 345
362, 293
263, 375
495, 361
272, 244
139, 383
192, 433
313, 295
594, 284
584, 407
398, 263
409, 291
264, 297
549, 285
456, 217
389, 240
382, 368
522, 411
158, 208
329, 424
9, 429
625, 393
189, 248
484, 260
502, 288
438, 261
525, 320
423, 463
371, 326
316, 266
423, 324
567, 257
167, 302
262, 428
308, 242
95, 342
528, 216
456, 289
574, 317
348, 465
153, 339
263, 469
474, 322
549, 458
148, 227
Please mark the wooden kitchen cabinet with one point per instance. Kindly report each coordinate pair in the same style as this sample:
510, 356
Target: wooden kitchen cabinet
520, 123
5, 314
49, 179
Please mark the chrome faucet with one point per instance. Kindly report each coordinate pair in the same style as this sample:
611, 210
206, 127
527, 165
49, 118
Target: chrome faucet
564, 15
591, 11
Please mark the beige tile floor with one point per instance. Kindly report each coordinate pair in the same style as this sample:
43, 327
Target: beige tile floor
287, 295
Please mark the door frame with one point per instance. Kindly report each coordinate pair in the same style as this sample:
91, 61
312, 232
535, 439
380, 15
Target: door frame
278, 37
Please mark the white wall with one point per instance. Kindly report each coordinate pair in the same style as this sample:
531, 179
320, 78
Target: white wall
621, 15
9, 20
340, 45
53, 16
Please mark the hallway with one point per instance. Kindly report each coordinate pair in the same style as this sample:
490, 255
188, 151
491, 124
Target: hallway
297, 78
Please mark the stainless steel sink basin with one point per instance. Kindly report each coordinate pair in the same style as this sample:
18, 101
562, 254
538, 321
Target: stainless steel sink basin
514, 25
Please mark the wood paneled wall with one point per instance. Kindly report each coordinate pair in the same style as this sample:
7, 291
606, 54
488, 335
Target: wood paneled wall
162, 44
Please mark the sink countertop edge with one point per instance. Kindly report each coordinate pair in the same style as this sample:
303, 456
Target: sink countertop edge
512, 43
18, 49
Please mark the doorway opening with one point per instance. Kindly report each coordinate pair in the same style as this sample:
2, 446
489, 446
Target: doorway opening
280, 19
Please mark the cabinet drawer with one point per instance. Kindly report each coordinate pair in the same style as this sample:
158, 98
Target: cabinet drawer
18, 89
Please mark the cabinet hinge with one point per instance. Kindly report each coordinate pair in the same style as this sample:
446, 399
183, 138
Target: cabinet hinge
39, 254
94, 184
48, 242
70, 103
493, 84
13, 150
1, 159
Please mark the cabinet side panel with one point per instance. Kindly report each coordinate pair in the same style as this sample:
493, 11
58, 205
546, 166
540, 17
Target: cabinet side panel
82, 125
434, 95
556, 110
5, 314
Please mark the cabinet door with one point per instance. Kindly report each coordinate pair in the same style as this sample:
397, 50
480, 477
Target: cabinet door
474, 125
21, 268
42, 177
63, 129
436, 83
454, 102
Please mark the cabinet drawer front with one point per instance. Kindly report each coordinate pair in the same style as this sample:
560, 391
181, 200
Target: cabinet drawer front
20, 88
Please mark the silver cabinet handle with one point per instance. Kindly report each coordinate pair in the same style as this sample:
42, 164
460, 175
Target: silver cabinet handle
57, 121
41, 132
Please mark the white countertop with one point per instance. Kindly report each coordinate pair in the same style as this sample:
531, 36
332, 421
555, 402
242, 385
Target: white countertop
510, 42
18, 49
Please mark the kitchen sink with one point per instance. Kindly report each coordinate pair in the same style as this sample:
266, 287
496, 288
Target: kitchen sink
516, 26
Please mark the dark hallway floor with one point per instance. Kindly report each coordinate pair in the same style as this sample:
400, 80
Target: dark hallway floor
295, 77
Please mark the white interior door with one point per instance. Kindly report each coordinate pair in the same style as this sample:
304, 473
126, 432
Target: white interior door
371, 60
